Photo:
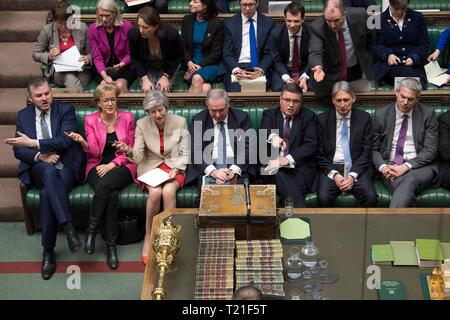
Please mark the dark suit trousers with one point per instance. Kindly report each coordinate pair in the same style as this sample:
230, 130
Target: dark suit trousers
405, 188
291, 183
363, 191
54, 186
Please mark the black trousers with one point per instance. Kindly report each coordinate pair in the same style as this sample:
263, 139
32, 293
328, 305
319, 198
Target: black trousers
109, 186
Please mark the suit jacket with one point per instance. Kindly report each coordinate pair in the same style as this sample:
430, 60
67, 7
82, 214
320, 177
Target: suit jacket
146, 150
324, 48
412, 42
62, 119
48, 37
96, 138
212, 44
360, 141
444, 148
278, 48
99, 44
233, 42
425, 133
170, 48
242, 145
303, 138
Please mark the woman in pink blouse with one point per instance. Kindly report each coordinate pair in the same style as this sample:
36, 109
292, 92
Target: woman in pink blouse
107, 170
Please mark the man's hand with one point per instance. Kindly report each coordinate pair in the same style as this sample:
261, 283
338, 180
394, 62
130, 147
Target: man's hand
239, 74
278, 142
393, 171
51, 158
252, 74
347, 184
319, 74
303, 83
103, 169
222, 175
278, 162
22, 141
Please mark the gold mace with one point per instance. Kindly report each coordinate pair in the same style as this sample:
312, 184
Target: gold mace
165, 243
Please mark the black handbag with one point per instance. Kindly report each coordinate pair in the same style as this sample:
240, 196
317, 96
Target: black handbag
130, 230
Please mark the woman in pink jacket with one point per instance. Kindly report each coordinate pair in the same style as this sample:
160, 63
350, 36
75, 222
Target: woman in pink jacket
108, 40
107, 170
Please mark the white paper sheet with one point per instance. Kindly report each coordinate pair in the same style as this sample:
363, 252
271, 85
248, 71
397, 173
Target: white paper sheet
154, 177
435, 74
68, 61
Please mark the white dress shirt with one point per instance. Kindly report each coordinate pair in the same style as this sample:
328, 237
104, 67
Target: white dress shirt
244, 57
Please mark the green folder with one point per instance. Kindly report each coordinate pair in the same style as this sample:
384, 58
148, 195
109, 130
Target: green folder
429, 249
404, 253
382, 254
391, 290
445, 246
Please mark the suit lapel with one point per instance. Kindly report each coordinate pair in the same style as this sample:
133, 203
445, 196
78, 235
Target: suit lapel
332, 127
238, 34
261, 33
54, 120
285, 50
332, 37
30, 120
390, 127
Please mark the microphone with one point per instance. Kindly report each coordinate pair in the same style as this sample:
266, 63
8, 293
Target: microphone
247, 195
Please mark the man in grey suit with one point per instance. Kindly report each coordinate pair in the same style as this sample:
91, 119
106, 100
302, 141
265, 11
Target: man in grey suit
338, 48
405, 144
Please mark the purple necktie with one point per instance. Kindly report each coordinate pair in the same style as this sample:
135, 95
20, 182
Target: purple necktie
401, 140
286, 134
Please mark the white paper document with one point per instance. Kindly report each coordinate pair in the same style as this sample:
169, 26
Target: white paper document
435, 74
154, 177
68, 61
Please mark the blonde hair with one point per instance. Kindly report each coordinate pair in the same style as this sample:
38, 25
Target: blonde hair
102, 88
109, 5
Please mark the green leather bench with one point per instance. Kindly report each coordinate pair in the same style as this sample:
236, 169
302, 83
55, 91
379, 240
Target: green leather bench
133, 200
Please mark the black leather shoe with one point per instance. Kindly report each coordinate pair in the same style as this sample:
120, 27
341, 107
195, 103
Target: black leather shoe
111, 257
89, 243
73, 240
48, 265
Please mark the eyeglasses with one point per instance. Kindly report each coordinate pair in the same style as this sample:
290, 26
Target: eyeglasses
105, 101
247, 5
293, 101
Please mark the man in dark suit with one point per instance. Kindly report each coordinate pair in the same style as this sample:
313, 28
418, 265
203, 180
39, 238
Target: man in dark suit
288, 46
444, 149
222, 142
345, 150
405, 144
245, 37
338, 48
292, 129
51, 161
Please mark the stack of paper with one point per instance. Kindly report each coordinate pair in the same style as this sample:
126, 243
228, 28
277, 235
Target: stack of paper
429, 253
382, 254
154, 177
136, 2
435, 74
68, 61
404, 253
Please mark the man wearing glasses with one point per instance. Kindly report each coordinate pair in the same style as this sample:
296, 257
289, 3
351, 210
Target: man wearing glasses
245, 37
292, 130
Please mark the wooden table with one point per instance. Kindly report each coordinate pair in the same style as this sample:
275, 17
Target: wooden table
344, 237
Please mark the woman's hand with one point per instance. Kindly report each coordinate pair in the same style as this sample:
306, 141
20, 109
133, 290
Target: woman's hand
164, 84
172, 174
76, 137
54, 53
393, 59
192, 67
84, 59
147, 85
103, 169
434, 56
121, 146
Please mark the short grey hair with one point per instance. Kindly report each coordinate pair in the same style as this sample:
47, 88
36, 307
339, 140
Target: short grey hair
155, 99
216, 94
410, 83
343, 86
35, 82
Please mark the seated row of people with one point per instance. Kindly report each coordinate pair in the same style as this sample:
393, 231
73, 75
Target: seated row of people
334, 47
330, 154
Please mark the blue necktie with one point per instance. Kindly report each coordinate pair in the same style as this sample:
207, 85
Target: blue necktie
345, 144
253, 48
221, 147
46, 135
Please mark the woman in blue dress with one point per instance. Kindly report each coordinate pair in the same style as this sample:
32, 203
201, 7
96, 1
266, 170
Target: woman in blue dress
444, 40
202, 37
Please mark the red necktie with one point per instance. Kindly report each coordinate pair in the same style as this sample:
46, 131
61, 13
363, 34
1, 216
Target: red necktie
295, 61
343, 70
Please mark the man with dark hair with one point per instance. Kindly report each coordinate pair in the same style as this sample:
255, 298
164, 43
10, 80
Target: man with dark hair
292, 131
405, 144
338, 48
245, 38
247, 293
288, 46
50, 161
